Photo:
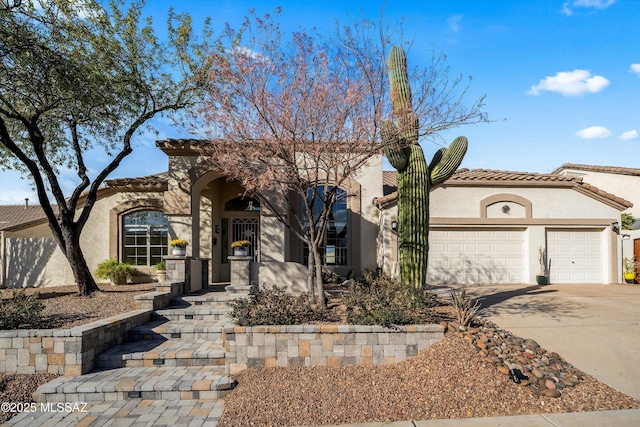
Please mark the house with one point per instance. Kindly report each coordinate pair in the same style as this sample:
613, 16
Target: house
136, 217
625, 182
486, 227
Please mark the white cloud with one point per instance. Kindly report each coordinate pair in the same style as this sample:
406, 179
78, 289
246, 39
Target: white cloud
635, 68
594, 132
629, 135
567, 7
454, 23
570, 83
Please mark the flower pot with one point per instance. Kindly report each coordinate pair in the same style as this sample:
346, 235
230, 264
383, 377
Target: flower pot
161, 276
178, 251
119, 280
630, 277
542, 280
241, 251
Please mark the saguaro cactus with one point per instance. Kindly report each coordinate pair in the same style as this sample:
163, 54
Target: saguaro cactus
415, 178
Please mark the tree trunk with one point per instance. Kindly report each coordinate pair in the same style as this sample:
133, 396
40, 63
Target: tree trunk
81, 273
319, 283
310, 270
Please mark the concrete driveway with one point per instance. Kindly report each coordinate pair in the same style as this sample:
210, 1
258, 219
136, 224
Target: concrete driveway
594, 327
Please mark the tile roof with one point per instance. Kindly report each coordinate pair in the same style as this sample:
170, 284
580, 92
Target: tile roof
595, 168
488, 177
389, 182
19, 215
157, 181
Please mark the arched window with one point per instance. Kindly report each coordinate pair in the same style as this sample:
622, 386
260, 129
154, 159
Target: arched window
145, 237
336, 237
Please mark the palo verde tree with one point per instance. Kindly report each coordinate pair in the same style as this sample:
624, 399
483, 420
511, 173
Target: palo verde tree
74, 76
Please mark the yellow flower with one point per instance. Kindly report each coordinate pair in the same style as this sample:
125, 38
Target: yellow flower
179, 243
240, 243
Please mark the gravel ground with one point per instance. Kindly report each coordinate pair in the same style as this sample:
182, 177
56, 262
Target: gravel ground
448, 380
64, 309
18, 388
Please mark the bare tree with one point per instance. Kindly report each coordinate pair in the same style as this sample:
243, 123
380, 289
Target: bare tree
73, 76
296, 117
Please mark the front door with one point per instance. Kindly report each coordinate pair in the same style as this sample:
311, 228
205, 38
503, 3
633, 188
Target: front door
238, 228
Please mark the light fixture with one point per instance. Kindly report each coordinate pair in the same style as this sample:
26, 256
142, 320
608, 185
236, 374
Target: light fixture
616, 227
394, 226
626, 236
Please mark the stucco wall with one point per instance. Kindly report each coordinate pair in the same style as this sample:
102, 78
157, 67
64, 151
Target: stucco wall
625, 186
34, 259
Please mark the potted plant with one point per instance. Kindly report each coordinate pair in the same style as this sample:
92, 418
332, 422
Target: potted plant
240, 247
178, 247
630, 266
161, 271
543, 277
117, 272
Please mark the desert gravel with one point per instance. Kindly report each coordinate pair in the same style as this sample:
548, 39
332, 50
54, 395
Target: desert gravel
64, 309
448, 380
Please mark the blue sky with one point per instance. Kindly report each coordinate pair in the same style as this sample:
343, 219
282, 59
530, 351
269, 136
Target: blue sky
562, 78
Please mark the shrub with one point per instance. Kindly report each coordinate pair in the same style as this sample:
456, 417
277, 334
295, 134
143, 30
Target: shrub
329, 276
464, 307
118, 272
162, 265
21, 310
273, 306
386, 302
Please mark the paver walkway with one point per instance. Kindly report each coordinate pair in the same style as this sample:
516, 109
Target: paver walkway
170, 372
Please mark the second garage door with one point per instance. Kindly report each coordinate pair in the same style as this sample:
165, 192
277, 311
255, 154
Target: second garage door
575, 255
476, 256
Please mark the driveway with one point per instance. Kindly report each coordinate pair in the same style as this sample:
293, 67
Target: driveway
594, 327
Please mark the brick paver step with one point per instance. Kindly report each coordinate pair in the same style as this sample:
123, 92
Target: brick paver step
170, 383
163, 353
179, 329
190, 312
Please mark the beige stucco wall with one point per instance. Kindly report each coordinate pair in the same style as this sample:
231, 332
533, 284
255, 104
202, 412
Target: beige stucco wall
34, 259
625, 186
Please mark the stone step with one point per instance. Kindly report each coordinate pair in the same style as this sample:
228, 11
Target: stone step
153, 383
179, 330
163, 353
215, 299
190, 312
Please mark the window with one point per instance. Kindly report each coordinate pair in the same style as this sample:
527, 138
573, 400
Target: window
334, 247
145, 237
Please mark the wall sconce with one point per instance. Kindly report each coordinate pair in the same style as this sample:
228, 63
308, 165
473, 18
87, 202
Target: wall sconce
626, 236
616, 227
217, 228
394, 226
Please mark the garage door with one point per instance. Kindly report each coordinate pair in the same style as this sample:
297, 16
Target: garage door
575, 255
476, 256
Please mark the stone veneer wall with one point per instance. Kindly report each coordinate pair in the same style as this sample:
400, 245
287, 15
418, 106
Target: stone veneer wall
324, 345
70, 352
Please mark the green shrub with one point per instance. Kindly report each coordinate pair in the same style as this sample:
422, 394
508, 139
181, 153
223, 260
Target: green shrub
21, 310
330, 277
273, 306
381, 301
162, 265
117, 272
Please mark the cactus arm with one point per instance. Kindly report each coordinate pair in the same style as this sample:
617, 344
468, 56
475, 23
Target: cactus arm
436, 158
396, 154
450, 161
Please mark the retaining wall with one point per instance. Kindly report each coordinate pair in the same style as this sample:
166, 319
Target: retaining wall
324, 345
70, 352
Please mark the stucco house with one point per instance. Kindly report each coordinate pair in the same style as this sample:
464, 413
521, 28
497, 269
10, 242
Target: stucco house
625, 182
486, 226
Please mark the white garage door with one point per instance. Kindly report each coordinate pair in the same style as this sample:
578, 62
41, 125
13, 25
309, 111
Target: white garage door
476, 256
575, 255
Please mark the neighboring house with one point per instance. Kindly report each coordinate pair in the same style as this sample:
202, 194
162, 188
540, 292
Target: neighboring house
486, 226
625, 182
